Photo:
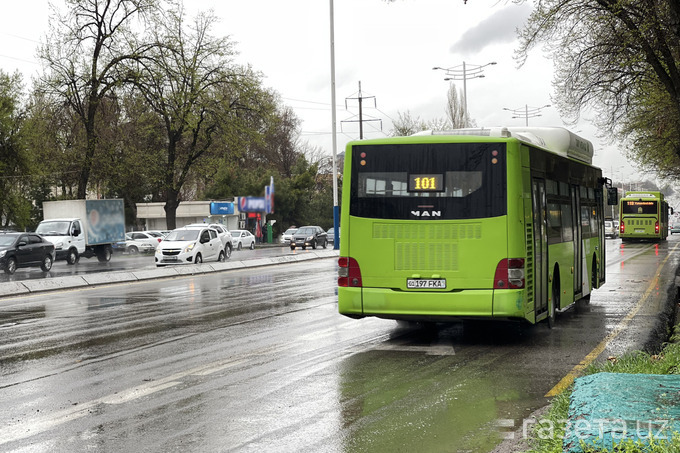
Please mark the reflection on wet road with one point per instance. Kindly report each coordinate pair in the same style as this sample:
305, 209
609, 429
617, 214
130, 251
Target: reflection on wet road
127, 262
259, 360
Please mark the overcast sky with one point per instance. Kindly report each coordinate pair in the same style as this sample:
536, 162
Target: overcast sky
390, 47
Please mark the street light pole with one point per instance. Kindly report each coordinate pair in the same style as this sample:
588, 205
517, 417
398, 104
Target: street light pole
529, 112
336, 208
464, 72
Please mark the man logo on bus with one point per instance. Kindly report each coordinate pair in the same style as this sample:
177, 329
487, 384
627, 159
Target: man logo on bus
426, 213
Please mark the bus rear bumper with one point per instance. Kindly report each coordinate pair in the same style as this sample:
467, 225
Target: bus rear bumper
385, 303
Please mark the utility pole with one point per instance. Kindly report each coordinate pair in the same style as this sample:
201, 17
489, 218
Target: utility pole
527, 112
360, 97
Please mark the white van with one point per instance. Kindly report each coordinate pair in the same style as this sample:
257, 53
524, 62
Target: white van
610, 230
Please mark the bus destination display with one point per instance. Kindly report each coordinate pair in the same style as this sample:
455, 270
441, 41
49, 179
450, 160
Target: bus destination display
426, 183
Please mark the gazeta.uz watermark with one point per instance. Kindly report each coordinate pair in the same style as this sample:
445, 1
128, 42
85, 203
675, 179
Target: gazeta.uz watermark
618, 429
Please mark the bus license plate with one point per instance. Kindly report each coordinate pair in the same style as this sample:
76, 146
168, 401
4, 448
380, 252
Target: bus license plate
426, 283
639, 231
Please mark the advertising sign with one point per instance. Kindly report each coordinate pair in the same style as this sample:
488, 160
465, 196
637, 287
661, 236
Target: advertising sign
223, 208
251, 204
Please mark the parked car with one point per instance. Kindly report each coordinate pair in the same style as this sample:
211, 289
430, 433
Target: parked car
163, 233
243, 238
222, 233
189, 245
331, 234
141, 242
25, 250
285, 237
310, 235
610, 231
675, 228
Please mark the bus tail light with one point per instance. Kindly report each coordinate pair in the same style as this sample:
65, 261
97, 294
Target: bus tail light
349, 274
509, 274
622, 227
656, 227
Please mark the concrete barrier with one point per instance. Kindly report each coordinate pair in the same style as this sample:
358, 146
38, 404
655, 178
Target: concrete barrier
13, 289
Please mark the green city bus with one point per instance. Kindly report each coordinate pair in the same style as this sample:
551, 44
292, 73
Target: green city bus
500, 223
643, 215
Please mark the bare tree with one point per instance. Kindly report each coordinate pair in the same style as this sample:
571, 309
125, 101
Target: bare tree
83, 52
617, 57
455, 108
280, 147
407, 125
198, 93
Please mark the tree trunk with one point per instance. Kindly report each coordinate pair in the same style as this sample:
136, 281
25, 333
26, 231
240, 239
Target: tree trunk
86, 168
171, 209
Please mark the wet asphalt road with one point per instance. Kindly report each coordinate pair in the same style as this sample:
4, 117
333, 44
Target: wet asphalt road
124, 261
259, 360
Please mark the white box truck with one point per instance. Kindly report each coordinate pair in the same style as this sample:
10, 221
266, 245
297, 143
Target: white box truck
84, 228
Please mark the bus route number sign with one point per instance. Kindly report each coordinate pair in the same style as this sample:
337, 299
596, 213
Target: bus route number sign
430, 182
426, 283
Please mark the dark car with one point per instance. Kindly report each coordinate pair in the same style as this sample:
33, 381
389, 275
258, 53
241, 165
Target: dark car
312, 236
25, 250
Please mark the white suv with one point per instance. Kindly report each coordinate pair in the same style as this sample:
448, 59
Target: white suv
189, 245
222, 233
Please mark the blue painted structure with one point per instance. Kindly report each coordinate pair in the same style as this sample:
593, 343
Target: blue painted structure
607, 408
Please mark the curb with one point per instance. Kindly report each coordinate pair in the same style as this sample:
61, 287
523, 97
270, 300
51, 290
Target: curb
26, 287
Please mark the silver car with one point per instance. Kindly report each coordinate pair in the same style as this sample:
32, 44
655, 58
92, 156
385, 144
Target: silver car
287, 235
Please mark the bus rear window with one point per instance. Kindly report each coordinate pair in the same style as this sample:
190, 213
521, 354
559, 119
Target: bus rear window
433, 181
457, 184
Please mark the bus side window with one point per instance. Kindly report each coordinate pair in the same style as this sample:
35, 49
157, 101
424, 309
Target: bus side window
554, 223
567, 227
585, 221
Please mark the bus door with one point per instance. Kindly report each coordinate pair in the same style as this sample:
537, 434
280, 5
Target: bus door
578, 242
540, 246
599, 197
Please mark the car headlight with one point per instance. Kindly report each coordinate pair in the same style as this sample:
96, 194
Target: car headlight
309, 238
58, 245
3, 253
189, 247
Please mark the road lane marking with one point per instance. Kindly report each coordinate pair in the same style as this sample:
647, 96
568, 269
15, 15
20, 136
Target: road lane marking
620, 327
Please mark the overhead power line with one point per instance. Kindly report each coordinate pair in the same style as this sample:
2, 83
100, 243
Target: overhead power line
360, 97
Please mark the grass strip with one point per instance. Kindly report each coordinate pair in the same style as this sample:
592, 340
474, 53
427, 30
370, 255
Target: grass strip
547, 433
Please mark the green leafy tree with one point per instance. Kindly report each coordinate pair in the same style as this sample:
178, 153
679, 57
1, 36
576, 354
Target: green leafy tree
53, 132
84, 50
203, 100
132, 168
15, 162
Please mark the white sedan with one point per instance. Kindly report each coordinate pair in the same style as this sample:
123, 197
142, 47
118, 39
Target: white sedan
242, 239
142, 241
285, 237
